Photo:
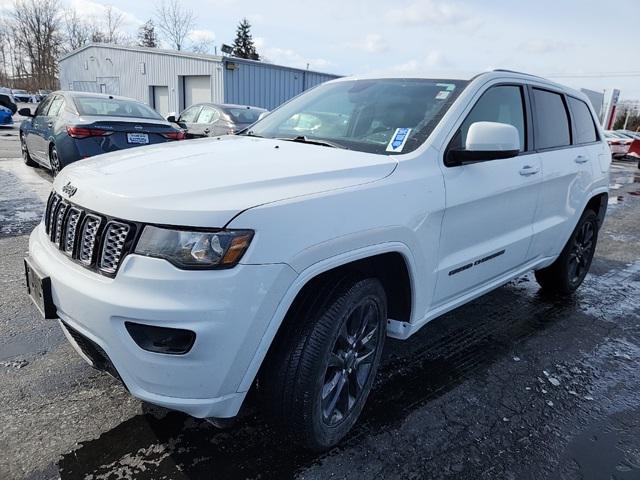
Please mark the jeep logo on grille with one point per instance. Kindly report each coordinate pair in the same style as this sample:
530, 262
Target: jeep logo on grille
69, 189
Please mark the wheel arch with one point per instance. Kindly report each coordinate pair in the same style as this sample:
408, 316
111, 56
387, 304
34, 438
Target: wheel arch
385, 262
598, 203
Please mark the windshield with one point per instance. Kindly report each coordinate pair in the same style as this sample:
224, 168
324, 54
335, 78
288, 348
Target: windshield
114, 107
243, 115
377, 116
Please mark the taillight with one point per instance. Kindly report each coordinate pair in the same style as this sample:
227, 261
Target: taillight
84, 132
177, 135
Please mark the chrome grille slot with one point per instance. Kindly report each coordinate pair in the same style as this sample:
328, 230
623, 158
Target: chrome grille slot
113, 245
70, 231
88, 238
57, 228
52, 210
47, 212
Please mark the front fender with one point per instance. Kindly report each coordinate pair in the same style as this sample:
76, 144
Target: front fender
302, 279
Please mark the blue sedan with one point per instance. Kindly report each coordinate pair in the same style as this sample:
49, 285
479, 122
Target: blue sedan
70, 126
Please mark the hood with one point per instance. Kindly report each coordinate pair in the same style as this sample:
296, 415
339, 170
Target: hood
205, 183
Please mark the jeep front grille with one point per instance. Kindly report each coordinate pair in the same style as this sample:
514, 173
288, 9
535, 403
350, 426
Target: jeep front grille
82, 234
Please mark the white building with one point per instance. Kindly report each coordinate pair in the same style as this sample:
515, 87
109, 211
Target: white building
170, 80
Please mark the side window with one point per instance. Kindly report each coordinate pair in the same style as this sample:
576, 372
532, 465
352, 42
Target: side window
43, 108
56, 106
551, 120
585, 129
208, 115
503, 104
190, 114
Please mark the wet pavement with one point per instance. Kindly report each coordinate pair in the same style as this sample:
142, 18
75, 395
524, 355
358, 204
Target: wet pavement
515, 385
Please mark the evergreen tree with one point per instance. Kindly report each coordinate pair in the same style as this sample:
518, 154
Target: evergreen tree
243, 45
147, 36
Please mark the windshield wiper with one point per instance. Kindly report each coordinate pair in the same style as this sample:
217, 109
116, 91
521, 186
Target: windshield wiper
248, 134
313, 141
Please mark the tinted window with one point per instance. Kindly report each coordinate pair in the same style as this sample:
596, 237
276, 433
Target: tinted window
501, 104
44, 106
585, 130
190, 114
551, 120
114, 107
208, 115
378, 116
56, 106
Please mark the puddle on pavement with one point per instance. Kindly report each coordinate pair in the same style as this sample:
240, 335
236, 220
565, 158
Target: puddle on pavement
609, 449
441, 356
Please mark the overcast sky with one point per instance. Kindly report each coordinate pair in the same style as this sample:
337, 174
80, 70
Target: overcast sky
435, 37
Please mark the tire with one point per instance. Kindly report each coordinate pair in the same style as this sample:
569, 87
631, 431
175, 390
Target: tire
54, 160
317, 377
26, 157
567, 273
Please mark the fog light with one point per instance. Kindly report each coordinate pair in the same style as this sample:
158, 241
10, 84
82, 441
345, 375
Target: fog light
174, 341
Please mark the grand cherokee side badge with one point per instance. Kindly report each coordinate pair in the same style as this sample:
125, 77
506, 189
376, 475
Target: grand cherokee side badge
69, 189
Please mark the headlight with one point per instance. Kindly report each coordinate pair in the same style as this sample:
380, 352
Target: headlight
193, 249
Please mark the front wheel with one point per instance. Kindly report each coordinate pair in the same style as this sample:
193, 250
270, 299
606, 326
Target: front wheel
566, 274
26, 157
319, 375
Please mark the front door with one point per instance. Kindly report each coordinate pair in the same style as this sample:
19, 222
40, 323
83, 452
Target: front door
187, 120
34, 139
490, 205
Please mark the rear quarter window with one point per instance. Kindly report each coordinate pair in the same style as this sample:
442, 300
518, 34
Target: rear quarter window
551, 120
585, 129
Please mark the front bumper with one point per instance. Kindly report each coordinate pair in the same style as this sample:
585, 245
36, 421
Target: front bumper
229, 311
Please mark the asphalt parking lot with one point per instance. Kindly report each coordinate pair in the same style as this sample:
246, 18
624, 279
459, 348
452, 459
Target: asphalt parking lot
515, 385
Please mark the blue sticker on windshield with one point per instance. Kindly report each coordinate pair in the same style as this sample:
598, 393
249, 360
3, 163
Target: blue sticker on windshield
398, 140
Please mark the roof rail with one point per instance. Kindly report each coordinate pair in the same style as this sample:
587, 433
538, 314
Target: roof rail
515, 71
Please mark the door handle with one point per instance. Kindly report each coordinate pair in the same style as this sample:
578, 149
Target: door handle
528, 170
207, 130
581, 159
50, 124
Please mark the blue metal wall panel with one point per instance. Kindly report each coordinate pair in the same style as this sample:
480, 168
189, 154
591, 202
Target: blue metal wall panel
265, 85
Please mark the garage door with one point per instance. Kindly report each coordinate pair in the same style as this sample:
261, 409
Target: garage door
161, 100
197, 89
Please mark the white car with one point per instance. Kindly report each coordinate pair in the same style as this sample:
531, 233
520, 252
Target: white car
363, 208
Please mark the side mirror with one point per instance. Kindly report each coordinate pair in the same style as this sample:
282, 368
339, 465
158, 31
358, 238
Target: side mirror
172, 118
487, 141
25, 112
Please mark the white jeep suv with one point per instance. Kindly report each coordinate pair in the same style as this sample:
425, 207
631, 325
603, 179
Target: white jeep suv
283, 256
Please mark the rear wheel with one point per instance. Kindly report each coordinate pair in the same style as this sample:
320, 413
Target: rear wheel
566, 274
28, 161
54, 160
319, 375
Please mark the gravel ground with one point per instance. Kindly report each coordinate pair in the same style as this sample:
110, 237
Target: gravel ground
515, 385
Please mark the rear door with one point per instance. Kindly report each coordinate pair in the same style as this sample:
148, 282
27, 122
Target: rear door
48, 124
206, 122
490, 205
565, 145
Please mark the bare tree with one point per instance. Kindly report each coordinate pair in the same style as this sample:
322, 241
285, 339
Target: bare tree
36, 32
113, 21
77, 31
175, 22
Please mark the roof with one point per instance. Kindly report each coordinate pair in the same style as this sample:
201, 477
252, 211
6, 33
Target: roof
157, 51
492, 74
181, 53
